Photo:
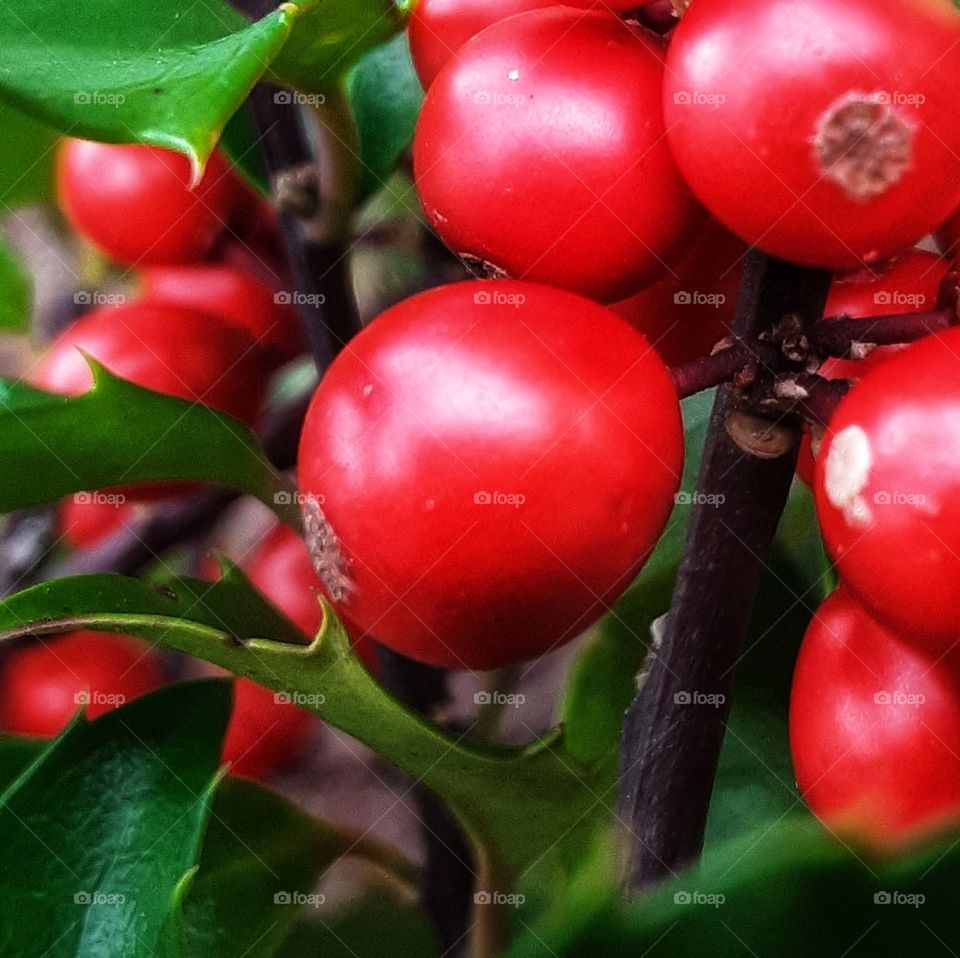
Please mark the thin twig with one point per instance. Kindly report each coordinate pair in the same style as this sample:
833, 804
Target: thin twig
675, 727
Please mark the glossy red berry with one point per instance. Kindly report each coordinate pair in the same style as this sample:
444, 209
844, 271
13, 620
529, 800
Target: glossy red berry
236, 298
687, 312
266, 731
161, 347
135, 202
540, 155
874, 728
439, 28
42, 685
908, 283
486, 467
824, 134
886, 486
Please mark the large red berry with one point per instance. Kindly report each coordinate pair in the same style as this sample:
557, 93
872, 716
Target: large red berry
42, 685
486, 467
438, 28
540, 154
266, 731
690, 310
825, 134
236, 298
165, 348
874, 728
888, 491
135, 202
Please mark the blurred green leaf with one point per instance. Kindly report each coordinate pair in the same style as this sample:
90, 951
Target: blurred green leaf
101, 834
119, 434
381, 925
169, 72
16, 292
240, 144
332, 38
385, 96
27, 159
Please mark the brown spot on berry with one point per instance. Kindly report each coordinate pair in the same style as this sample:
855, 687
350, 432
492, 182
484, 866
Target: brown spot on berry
481, 268
325, 551
863, 145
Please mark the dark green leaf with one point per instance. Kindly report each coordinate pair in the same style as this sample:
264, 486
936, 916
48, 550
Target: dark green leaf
26, 161
168, 72
331, 39
382, 925
16, 755
100, 837
15, 292
385, 95
261, 860
240, 144
790, 891
120, 434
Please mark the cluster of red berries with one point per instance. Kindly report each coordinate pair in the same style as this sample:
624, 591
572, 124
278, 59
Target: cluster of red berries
209, 324
573, 146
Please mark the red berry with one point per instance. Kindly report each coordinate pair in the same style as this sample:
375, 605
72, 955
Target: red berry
135, 202
486, 468
237, 299
690, 310
439, 28
161, 347
824, 134
540, 154
909, 283
886, 486
43, 684
874, 728
86, 519
265, 732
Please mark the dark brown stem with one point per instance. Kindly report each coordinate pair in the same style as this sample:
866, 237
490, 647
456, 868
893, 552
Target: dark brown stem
846, 337
735, 360
675, 727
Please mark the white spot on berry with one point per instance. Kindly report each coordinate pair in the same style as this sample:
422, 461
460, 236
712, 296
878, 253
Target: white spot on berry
325, 550
846, 474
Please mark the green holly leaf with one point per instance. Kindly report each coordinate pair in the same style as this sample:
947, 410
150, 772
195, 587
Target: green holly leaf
261, 861
333, 37
102, 831
121, 434
495, 793
169, 72
15, 292
385, 96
